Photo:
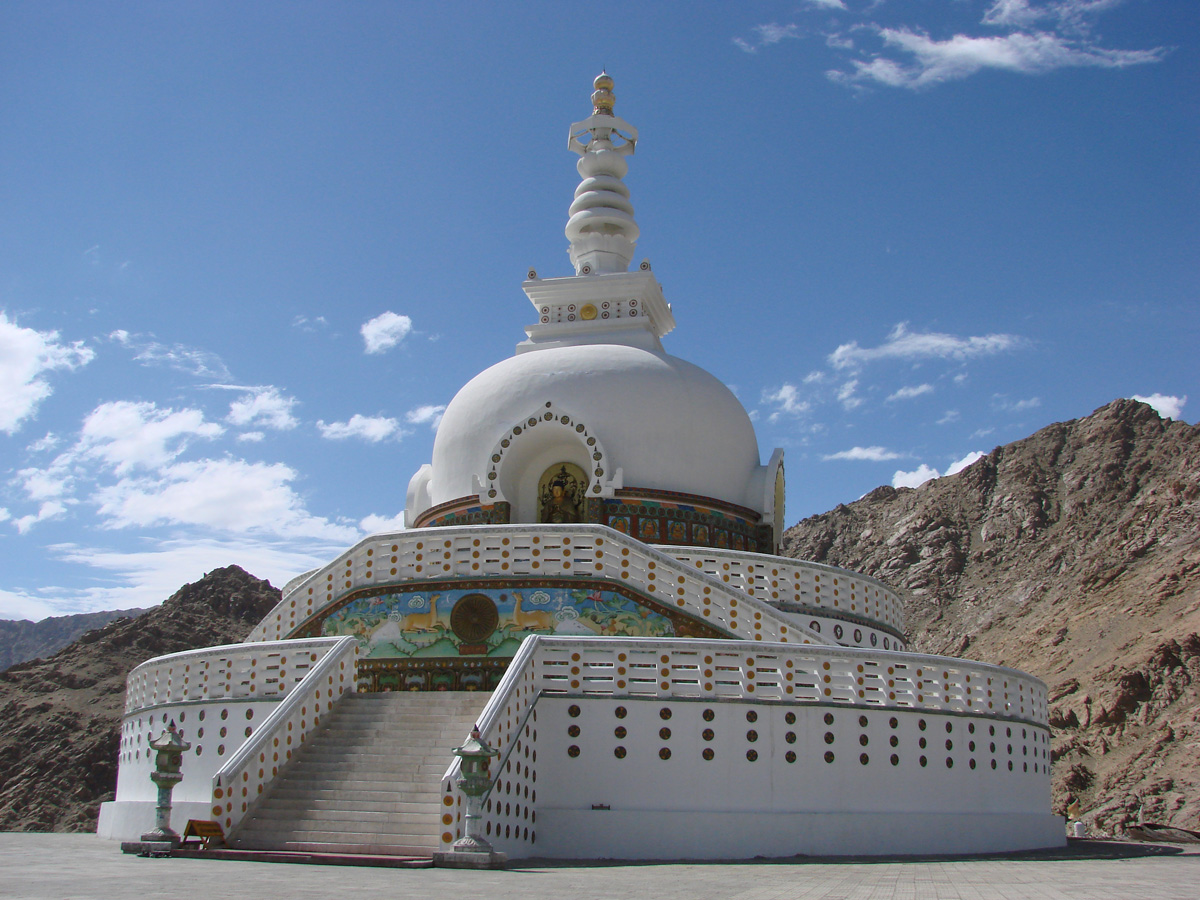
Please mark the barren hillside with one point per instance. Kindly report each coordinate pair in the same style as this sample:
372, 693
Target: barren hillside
1073, 554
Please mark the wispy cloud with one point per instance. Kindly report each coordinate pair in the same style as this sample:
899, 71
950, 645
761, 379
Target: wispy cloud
26, 357
385, 331
903, 344
908, 392
429, 414
847, 397
1165, 405
180, 357
1001, 402
911, 58
866, 454
787, 402
304, 323
772, 33
368, 428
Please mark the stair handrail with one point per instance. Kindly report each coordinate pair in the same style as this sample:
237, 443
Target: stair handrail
499, 700
275, 725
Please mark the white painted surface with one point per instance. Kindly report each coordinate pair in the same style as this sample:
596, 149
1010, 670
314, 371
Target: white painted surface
666, 423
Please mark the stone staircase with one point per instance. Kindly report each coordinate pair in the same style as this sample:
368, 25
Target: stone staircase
369, 782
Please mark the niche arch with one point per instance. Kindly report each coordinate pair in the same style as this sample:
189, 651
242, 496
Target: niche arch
544, 437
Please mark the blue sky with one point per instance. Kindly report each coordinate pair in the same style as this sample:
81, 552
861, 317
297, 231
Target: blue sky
248, 251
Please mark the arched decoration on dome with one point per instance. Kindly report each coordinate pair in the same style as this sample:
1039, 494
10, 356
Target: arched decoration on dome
564, 434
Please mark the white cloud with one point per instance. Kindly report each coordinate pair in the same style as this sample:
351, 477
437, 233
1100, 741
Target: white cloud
425, 415
51, 509
1000, 401
981, 432
144, 578
908, 345
770, 34
847, 397
915, 478
374, 524
304, 323
251, 437
49, 442
127, 435
924, 473
264, 407
190, 360
5, 515
1070, 14
1164, 404
959, 464
368, 428
935, 62
825, 4
868, 454
229, 495
951, 415
45, 484
907, 393
788, 401
26, 356
385, 331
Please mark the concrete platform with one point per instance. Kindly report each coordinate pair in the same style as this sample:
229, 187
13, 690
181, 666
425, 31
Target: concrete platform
86, 867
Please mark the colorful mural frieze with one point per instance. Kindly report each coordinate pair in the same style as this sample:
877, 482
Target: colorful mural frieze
655, 521
451, 622
465, 512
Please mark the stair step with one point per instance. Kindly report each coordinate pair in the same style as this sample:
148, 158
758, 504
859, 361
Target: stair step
380, 849
369, 781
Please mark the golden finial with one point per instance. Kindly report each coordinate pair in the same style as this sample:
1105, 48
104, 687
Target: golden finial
603, 99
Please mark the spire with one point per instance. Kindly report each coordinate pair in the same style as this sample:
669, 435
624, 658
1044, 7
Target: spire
601, 229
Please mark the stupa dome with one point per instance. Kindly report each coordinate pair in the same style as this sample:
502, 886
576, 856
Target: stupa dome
640, 417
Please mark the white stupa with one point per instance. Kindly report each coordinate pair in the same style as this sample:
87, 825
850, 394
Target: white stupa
589, 574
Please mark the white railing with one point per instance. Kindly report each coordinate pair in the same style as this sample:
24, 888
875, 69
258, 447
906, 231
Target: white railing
238, 784
777, 579
500, 724
232, 671
533, 551
719, 670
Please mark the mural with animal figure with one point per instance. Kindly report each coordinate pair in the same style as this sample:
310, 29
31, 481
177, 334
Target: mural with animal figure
422, 623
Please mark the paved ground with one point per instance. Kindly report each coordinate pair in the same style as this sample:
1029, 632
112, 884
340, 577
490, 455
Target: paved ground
84, 867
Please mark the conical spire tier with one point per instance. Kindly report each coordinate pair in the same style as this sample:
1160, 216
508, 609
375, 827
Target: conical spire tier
601, 228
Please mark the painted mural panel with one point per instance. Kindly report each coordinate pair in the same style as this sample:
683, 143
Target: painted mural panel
481, 621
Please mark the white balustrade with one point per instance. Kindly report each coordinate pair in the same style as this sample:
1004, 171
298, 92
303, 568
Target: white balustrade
232, 671
237, 785
533, 551
777, 580
716, 670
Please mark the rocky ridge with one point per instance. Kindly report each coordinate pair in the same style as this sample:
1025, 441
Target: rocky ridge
1073, 555
61, 715
21, 639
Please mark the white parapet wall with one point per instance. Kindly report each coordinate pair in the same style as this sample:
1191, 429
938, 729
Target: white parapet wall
658, 749
219, 698
539, 551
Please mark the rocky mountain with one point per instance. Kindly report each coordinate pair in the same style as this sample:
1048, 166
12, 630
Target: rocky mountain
1073, 554
21, 639
61, 715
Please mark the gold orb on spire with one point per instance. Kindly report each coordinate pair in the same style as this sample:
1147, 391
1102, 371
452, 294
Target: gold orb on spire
603, 99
